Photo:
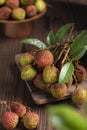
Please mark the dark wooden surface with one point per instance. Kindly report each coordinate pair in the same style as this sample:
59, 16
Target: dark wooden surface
11, 85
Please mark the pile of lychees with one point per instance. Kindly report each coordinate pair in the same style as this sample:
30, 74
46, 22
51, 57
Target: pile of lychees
20, 9
18, 112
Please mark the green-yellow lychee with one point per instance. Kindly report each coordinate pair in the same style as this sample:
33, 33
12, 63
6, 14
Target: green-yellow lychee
50, 74
28, 73
40, 5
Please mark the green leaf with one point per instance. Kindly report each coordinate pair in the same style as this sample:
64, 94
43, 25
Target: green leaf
50, 38
78, 42
62, 31
35, 42
79, 53
67, 117
66, 73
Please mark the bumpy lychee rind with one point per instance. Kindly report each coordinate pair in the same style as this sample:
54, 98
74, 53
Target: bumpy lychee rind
80, 73
30, 120
58, 91
31, 10
9, 120
40, 5
39, 82
18, 14
26, 59
28, 73
79, 96
50, 74
13, 4
18, 108
5, 13
44, 58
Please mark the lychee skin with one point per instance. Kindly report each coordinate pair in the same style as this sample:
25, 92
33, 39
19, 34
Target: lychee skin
18, 14
5, 13
80, 73
26, 59
40, 5
44, 58
18, 108
31, 11
28, 73
2, 2
27, 2
50, 74
69, 83
9, 120
79, 96
58, 91
39, 82
30, 120
13, 3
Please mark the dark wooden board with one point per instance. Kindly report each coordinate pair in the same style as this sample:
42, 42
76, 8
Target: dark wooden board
43, 97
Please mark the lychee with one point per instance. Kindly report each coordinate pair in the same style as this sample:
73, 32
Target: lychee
80, 73
30, 120
79, 96
28, 73
50, 74
58, 91
69, 83
24, 2
2, 2
44, 57
31, 10
18, 108
5, 13
18, 14
13, 3
26, 59
9, 120
40, 5
39, 82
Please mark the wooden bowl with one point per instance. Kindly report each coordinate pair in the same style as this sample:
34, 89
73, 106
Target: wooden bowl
22, 28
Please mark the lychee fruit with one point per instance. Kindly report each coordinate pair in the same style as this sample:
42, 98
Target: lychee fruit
40, 5
9, 120
39, 82
2, 2
18, 108
13, 3
18, 14
58, 91
31, 10
80, 73
28, 73
24, 2
5, 13
50, 74
30, 120
44, 58
79, 96
69, 83
26, 59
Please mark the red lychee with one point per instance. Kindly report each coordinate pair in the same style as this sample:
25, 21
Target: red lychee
30, 120
80, 73
5, 13
39, 82
13, 3
9, 120
18, 108
58, 91
31, 11
44, 58
79, 96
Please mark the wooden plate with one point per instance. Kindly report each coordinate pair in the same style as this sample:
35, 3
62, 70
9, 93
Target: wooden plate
43, 97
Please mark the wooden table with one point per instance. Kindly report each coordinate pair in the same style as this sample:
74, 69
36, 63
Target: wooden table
11, 85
